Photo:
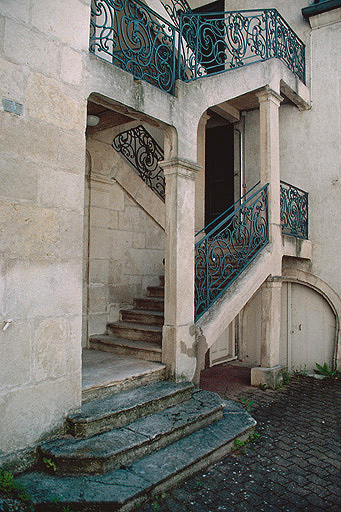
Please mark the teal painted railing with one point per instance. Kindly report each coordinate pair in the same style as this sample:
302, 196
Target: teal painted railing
189, 46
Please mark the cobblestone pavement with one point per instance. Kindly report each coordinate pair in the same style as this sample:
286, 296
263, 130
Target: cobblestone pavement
294, 466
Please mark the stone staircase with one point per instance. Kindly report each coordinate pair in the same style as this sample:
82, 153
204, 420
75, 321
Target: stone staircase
120, 450
138, 333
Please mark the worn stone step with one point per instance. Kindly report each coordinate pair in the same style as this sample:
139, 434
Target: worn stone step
142, 316
117, 411
108, 451
127, 488
139, 349
149, 303
104, 374
155, 291
136, 332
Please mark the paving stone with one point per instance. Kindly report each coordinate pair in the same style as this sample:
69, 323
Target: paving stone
268, 479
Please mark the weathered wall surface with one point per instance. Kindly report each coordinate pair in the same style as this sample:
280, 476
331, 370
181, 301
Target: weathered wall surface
310, 156
126, 245
41, 203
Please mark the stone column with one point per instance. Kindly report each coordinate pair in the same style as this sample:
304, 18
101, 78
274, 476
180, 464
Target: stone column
270, 372
269, 102
178, 341
200, 179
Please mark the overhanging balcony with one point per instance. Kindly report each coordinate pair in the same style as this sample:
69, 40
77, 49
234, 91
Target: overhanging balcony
187, 46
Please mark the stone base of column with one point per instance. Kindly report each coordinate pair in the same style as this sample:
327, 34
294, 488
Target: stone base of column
270, 377
178, 351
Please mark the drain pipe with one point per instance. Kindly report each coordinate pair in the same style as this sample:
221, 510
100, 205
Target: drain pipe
242, 184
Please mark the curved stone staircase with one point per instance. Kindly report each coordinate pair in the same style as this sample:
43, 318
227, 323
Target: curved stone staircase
120, 450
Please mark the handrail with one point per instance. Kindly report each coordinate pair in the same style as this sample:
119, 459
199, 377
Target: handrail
143, 153
227, 209
225, 220
223, 254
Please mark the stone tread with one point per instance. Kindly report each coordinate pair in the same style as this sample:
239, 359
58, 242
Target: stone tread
111, 339
128, 486
143, 312
135, 327
106, 451
127, 400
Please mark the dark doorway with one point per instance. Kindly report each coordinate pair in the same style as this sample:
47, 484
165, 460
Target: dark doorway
212, 56
219, 170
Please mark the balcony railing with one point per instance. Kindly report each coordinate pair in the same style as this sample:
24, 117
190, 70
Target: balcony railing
227, 249
136, 39
189, 46
294, 211
229, 40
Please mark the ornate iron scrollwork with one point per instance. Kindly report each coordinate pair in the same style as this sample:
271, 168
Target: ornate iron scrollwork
133, 37
294, 211
222, 41
143, 153
174, 8
223, 253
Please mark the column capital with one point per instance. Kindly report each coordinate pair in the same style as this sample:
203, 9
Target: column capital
180, 167
269, 94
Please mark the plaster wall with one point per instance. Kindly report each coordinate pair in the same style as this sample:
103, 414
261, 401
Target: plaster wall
126, 244
41, 202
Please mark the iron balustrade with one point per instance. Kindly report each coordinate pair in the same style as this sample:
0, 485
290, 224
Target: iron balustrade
133, 37
143, 153
174, 8
225, 251
229, 40
294, 211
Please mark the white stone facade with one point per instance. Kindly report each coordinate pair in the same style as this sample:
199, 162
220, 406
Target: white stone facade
81, 235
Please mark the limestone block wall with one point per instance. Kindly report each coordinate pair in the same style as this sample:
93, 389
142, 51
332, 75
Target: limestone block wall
41, 215
126, 243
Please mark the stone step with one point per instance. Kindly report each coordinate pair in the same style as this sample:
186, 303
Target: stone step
149, 303
109, 451
127, 488
104, 374
155, 291
136, 332
142, 316
140, 349
117, 411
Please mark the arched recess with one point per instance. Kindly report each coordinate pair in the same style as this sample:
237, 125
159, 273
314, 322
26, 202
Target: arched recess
329, 295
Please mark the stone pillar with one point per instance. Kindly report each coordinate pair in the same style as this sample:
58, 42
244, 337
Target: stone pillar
178, 343
271, 323
269, 373
269, 102
200, 179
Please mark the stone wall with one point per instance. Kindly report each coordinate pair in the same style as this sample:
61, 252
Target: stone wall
41, 217
126, 244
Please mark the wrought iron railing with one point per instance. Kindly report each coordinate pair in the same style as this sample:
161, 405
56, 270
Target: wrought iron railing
133, 37
229, 40
226, 250
143, 153
294, 211
174, 8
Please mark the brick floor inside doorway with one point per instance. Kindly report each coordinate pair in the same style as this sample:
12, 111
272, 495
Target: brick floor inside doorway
228, 379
